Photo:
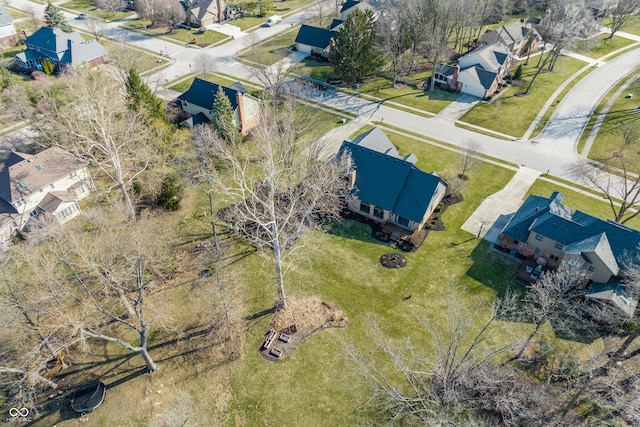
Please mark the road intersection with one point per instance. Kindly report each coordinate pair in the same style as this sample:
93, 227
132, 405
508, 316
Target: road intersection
552, 151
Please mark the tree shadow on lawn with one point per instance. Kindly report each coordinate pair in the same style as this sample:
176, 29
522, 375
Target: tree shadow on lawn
116, 371
356, 227
498, 272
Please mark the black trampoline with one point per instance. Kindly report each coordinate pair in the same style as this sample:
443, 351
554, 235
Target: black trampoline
88, 396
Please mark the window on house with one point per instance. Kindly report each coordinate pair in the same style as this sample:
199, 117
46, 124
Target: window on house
516, 241
591, 268
72, 175
574, 263
537, 250
539, 237
14, 224
402, 221
559, 245
34, 212
554, 258
378, 213
365, 207
80, 190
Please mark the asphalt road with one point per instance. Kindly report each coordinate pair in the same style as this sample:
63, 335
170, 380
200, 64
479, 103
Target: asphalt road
554, 150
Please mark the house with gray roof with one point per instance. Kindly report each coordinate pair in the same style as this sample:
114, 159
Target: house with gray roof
201, 13
550, 232
198, 100
315, 40
34, 187
8, 34
389, 188
62, 49
350, 6
519, 37
477, 73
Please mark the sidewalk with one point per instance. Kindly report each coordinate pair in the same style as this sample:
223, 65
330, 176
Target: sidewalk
495, 211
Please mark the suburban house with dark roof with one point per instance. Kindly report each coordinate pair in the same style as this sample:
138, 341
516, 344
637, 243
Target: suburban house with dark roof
315, 40
350, 6
201, 13
518, 37
390, 189
198, 103
62, 49
547, 231
40, 186
477, 73
8, 34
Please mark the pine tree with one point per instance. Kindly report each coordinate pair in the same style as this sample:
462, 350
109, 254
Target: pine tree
354, 55
54, 18
224, 119
140, 97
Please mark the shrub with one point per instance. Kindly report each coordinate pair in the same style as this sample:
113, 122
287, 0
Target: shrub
171, 193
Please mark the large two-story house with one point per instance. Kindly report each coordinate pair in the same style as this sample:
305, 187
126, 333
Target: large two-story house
549, 232
388, 188
477, 73
62, 49
35, 187
8, 34
198, 103
201, 13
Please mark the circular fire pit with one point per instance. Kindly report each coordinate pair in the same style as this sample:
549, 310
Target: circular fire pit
393, 260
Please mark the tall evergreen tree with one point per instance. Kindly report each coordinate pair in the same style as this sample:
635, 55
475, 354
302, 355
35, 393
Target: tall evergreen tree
54, 18
140, 97
224, 119
354, 55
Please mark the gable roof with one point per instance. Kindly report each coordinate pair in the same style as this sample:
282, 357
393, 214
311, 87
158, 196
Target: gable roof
490, 57
352, 5
54, 199
202, 93
24, 174
5, 18
574, 229
445, 70
68, 48
336, 24
478, 74
314, 36
615, 293
388, 181
200, 8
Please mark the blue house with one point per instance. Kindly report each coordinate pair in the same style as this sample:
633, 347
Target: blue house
388, 188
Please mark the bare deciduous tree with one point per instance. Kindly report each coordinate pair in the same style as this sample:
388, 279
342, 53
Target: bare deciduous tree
278, 193
616, 176
166, 13
320, 13
623, 13
95, 125
205, 64
462, 376
96, 26
110, 6
469, 158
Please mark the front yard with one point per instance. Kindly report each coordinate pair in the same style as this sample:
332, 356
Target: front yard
513, 114
600, 45
180, 35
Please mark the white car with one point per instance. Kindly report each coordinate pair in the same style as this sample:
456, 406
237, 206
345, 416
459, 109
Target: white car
273, 20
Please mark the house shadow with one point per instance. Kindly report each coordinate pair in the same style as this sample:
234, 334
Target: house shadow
357, 227
498, 270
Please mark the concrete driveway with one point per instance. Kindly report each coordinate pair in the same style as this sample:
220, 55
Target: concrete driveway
495, 211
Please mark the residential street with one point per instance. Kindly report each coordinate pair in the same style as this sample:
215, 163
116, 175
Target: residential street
554, 150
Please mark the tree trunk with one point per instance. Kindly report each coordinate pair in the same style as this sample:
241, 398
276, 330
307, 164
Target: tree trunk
151, 365
528, 340
617, 355
282, 302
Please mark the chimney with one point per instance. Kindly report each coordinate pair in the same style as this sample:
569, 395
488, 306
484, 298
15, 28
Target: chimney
241, 117
454, 80
352, 179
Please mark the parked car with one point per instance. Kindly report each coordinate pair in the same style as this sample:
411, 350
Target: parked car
184, 26
82, 16
273, 20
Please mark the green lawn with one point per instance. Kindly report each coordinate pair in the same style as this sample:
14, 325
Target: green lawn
381, 87
314, 386
600, 45
272, 49
632, 28
179, 35
251, 18
516, 113
622, 112
89, 7
142, 60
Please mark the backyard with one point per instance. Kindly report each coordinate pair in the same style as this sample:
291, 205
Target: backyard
316, 385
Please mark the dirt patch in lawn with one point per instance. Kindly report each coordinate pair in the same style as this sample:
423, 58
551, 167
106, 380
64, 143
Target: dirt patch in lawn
301, 318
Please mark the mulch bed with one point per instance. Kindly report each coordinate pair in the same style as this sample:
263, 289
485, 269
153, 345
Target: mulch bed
299, 320
393, 260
